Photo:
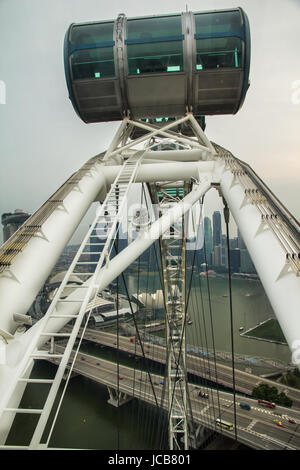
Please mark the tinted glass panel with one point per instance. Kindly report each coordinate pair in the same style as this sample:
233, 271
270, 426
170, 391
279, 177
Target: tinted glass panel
217, 53
150, 28
208, 23
93, 63
92, 34
155, 57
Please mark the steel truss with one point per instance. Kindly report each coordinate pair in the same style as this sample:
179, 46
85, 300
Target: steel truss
165, 160
173, 257
173, 262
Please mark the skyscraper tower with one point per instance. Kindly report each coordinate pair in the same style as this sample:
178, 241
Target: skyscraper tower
208, 239
216, 228
224, 255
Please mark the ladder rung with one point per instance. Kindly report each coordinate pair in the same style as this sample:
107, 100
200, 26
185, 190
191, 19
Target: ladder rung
55, 334
87, 262
37, 381
24, 410
62, 316
98, 244
13, 447
82, 274
79, 287
47, 355
103, 222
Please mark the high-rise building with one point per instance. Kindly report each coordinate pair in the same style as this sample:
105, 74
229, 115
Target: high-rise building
208, 239
233, 243
247, 265
217, 231
12, 221
235, 257
224, 258
216, 255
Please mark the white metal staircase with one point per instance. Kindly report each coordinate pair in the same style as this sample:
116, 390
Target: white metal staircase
107, 222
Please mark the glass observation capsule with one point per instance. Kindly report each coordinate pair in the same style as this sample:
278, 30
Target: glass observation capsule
158, 66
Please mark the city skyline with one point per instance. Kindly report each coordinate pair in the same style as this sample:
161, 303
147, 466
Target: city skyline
216, 247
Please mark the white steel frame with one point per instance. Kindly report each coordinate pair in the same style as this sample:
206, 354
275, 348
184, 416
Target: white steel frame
199, 160
173, 260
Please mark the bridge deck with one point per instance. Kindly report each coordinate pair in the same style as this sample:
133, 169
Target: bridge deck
245, 382
255, 428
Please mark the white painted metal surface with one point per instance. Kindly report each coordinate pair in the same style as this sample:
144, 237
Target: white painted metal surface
20, 284
280, 282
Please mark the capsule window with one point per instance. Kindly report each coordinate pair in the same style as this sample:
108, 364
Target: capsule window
154, 45
153, 28
214, 23
155, 58
217, 53
96, 33
93, 63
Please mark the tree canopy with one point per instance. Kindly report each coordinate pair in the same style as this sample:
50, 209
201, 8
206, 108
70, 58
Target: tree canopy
266, 392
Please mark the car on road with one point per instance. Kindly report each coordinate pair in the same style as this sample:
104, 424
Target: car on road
203, 394
245, 406
291, 420
121, 377
279, 423
267, 404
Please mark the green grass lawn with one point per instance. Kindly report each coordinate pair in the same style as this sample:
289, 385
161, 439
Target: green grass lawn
270, 330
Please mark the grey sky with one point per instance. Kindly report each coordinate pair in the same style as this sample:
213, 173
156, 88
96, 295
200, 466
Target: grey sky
42, 140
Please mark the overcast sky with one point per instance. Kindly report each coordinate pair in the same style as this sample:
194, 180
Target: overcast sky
43, 141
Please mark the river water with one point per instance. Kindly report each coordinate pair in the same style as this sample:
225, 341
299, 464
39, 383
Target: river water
87, 421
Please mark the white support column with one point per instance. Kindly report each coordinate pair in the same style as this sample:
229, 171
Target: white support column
116, 140
117, 397
21, 282
280, 282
